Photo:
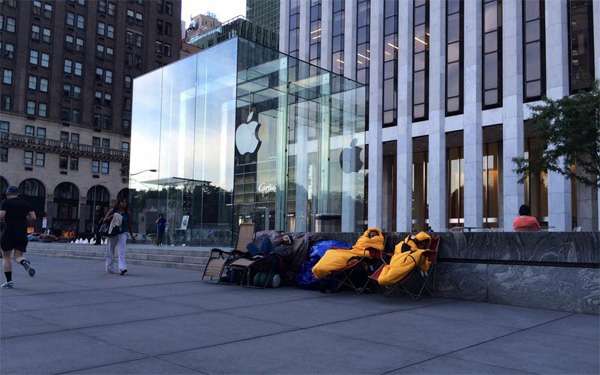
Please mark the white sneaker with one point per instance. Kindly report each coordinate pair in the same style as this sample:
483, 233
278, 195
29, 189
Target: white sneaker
8, 285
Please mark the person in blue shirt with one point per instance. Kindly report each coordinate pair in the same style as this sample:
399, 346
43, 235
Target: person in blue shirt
161, 223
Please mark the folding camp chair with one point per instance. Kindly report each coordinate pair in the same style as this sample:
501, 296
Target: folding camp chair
365, 264
416, 275
266, 264
219, 259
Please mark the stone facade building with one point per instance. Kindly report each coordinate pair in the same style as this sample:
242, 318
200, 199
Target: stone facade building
66, 98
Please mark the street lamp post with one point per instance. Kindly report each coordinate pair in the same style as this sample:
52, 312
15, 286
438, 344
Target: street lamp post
94, 207
145, 170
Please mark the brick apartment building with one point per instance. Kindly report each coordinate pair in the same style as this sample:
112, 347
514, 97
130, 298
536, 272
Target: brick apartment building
66, 98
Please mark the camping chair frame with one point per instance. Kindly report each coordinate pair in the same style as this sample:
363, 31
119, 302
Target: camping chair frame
426, 277
343, 277
270, 260
219, 259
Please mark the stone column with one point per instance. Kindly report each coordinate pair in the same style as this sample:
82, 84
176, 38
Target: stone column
404, 153
557, 86
512, 77
437, 179
284, 26
473, 148
374, 134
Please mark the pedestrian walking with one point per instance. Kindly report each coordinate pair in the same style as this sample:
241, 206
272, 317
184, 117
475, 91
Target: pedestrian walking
119, 217
160, 229
14, 211
99, 218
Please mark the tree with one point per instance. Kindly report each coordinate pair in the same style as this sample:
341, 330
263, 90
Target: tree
569, 131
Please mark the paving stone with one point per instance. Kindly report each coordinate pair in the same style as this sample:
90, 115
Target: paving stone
448, 365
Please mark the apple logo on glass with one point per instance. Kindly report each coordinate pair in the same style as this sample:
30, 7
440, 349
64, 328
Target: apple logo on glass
350, 158
246, 136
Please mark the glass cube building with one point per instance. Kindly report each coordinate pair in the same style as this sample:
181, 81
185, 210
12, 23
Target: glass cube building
243, 133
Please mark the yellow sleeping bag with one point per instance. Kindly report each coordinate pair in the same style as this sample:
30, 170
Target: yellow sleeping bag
337, 259
407, 255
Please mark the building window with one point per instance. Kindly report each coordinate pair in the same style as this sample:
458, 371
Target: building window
1, 22
63, 162
127, 105
110, 31
160, 26
74, 137
102, 6
130, 16
66, 90
79, 45
314, 53
69, 42
492, 53
3, 154
32, 85
28, 158
139, 19
76, 92
363, 48
4, 126
159, 5
421, 60
128, 82
43, 85
29, 130
390, 63
138, 40
99, 74
42, 109
158, 46
107, 122
110, 53
100, 51
47, 10
9, 50
31, 108
137, 64
337, 39
65, 114
33, 57
107, 99
41, 132
108, 76
454, 57
64, 136
101, 29
105, 167
95, 166
125, 146
96, 141
70, 18
78, 68
169, 8
6, 103
111, 9
40, 159
47, 35
74, 165
126, 124
35, 32
80, 21
581, 45
45, 60
455, 172
75, 116
97, 121
7, 77
105, 143
68, 67
534, 58
168, 29
168, 49
129, 38
11, 24
98, 97
37, 7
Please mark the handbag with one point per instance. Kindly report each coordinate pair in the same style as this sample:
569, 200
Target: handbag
103, 231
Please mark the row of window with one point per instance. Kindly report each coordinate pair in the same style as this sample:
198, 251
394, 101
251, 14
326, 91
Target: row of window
337, 38
47, 9
363, 37
39, 58
10, 26
40, 132
162, 48
34, 107
42, 33
38, 159
314, 53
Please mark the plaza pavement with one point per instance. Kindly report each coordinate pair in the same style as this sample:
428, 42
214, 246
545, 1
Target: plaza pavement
74, 318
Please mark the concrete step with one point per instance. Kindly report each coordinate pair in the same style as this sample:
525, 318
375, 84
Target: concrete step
170, 258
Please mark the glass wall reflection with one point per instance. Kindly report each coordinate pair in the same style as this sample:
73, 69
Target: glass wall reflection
257, 137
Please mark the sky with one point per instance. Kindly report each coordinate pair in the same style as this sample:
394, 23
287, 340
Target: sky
224, 9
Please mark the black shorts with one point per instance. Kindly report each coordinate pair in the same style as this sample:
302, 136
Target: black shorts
10, 242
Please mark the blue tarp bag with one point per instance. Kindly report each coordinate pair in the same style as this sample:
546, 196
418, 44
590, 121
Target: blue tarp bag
305, 279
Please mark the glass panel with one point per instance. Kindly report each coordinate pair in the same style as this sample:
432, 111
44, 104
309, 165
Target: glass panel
491, 70
490, 21
532, 31
533, 68
534, 89
453, 79
490, 42
453, 28
453, 52
532, 9
419, 92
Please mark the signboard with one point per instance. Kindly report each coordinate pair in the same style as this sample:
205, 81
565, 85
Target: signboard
184, 222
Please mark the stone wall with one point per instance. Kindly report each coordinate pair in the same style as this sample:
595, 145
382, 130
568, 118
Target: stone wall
548, 270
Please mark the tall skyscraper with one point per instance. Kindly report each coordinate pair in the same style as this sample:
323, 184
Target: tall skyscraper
66, 98
264, 13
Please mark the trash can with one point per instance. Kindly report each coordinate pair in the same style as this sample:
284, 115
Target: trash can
328, 223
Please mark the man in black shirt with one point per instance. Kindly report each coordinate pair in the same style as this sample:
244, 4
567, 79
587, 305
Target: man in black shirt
14, 212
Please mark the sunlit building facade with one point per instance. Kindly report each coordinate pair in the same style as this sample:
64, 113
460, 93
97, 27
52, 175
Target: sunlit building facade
257, 137
449, 88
